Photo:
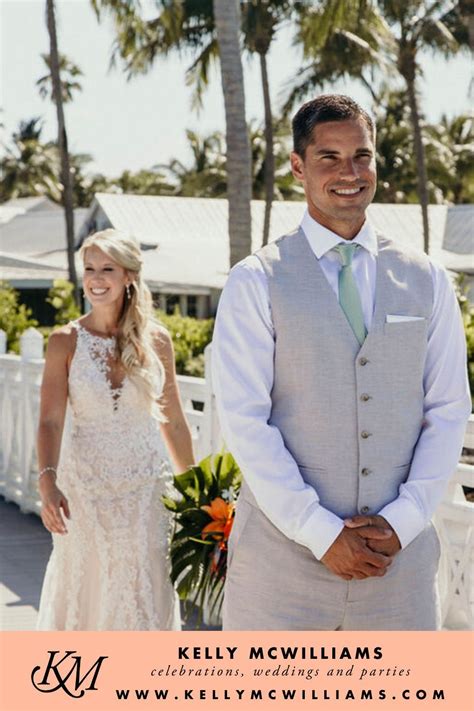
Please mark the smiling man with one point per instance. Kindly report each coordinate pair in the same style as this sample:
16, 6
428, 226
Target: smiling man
339, 371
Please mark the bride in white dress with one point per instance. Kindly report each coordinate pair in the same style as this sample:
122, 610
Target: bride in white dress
109, 569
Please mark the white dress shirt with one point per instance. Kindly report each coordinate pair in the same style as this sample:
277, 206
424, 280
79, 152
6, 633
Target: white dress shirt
242, 372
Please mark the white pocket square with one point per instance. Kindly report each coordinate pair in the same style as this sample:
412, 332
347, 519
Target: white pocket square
393, 318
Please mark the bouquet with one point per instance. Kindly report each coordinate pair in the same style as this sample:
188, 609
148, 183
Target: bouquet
203, 514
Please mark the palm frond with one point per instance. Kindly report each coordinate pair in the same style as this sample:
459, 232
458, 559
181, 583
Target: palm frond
198, 557
197, 75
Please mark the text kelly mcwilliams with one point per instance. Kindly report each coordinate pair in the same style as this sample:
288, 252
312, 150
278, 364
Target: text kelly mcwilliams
231, 653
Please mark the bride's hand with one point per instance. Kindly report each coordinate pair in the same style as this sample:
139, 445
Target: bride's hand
53, 500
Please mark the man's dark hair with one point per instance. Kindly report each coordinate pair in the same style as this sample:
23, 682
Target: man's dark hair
322, 109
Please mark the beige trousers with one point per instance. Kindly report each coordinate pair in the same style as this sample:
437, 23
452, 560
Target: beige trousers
274, 583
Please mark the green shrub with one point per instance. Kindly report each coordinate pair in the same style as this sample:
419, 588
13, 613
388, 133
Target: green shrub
190, 336
61, 298
14, 317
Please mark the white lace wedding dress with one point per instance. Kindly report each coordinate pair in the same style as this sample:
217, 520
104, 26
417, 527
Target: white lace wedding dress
111, 570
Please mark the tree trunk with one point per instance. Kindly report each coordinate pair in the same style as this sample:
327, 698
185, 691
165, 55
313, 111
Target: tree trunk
239, 172
66, 177
422, 177
269, 154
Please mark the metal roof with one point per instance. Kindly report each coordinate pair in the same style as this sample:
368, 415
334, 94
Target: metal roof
18, 206
186, 238
156, 219
35, 226
15, 269
182, 227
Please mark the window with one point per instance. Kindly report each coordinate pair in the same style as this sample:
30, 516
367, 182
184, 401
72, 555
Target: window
172, 301
192, 306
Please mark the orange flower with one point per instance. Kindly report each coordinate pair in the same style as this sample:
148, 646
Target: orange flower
222, 514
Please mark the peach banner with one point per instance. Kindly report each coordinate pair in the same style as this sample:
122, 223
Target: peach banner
236, 670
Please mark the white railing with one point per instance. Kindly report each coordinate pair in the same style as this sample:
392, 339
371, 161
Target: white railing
454, 522
20, 382
199, 405
20, 379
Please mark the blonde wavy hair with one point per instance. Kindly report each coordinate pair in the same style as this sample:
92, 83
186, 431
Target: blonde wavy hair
137, 325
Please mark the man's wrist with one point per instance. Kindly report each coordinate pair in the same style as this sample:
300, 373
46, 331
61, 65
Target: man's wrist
405, 518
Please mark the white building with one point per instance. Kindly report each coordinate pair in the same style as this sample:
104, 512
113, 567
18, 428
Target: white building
185, 241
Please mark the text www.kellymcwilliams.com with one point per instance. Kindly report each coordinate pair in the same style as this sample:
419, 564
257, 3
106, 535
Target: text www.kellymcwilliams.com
282, 694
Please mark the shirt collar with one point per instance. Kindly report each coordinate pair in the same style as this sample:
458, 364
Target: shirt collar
322, 240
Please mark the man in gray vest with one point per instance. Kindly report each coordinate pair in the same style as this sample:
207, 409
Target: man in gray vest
339, 371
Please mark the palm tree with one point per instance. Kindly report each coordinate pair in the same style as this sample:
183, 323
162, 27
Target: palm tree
66, 177
339, 39
461, 133
450, 157
414, 26
68, 72
449, 151
460, 21
85, 185
206, 175
260, 21
178, 25
143, 182
396, 162
227, 19
285, 187
182, 25
372, 35
396, 167
29, 167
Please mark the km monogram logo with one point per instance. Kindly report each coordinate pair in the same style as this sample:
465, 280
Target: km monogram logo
58, 673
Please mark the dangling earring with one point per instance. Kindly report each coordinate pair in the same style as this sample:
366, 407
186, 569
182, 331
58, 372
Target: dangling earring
127, 289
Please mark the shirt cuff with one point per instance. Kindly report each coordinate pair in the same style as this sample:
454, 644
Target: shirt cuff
320, 531
405, 518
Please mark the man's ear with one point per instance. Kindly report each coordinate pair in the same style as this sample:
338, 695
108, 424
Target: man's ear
296, 163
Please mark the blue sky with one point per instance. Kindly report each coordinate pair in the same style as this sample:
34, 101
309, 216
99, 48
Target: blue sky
136, 124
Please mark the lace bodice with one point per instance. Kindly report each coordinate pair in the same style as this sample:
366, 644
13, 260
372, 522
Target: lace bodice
111, 426
93, 379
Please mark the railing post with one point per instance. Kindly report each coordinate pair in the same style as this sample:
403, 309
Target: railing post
31, 344
11, 431
31, 350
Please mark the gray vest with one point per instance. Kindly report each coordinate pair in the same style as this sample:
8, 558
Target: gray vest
349, 415
351, 418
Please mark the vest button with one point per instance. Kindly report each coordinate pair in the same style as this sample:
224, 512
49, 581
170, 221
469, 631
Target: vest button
365, 509
363, 361
365, 435
366, 472
364, 397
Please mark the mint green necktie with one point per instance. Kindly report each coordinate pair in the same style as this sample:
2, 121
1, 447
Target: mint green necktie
349, 297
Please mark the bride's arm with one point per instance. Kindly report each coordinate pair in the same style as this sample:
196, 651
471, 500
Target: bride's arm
175, 430
54, 391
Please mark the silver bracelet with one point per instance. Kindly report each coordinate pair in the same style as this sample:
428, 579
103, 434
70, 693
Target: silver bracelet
47, 469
